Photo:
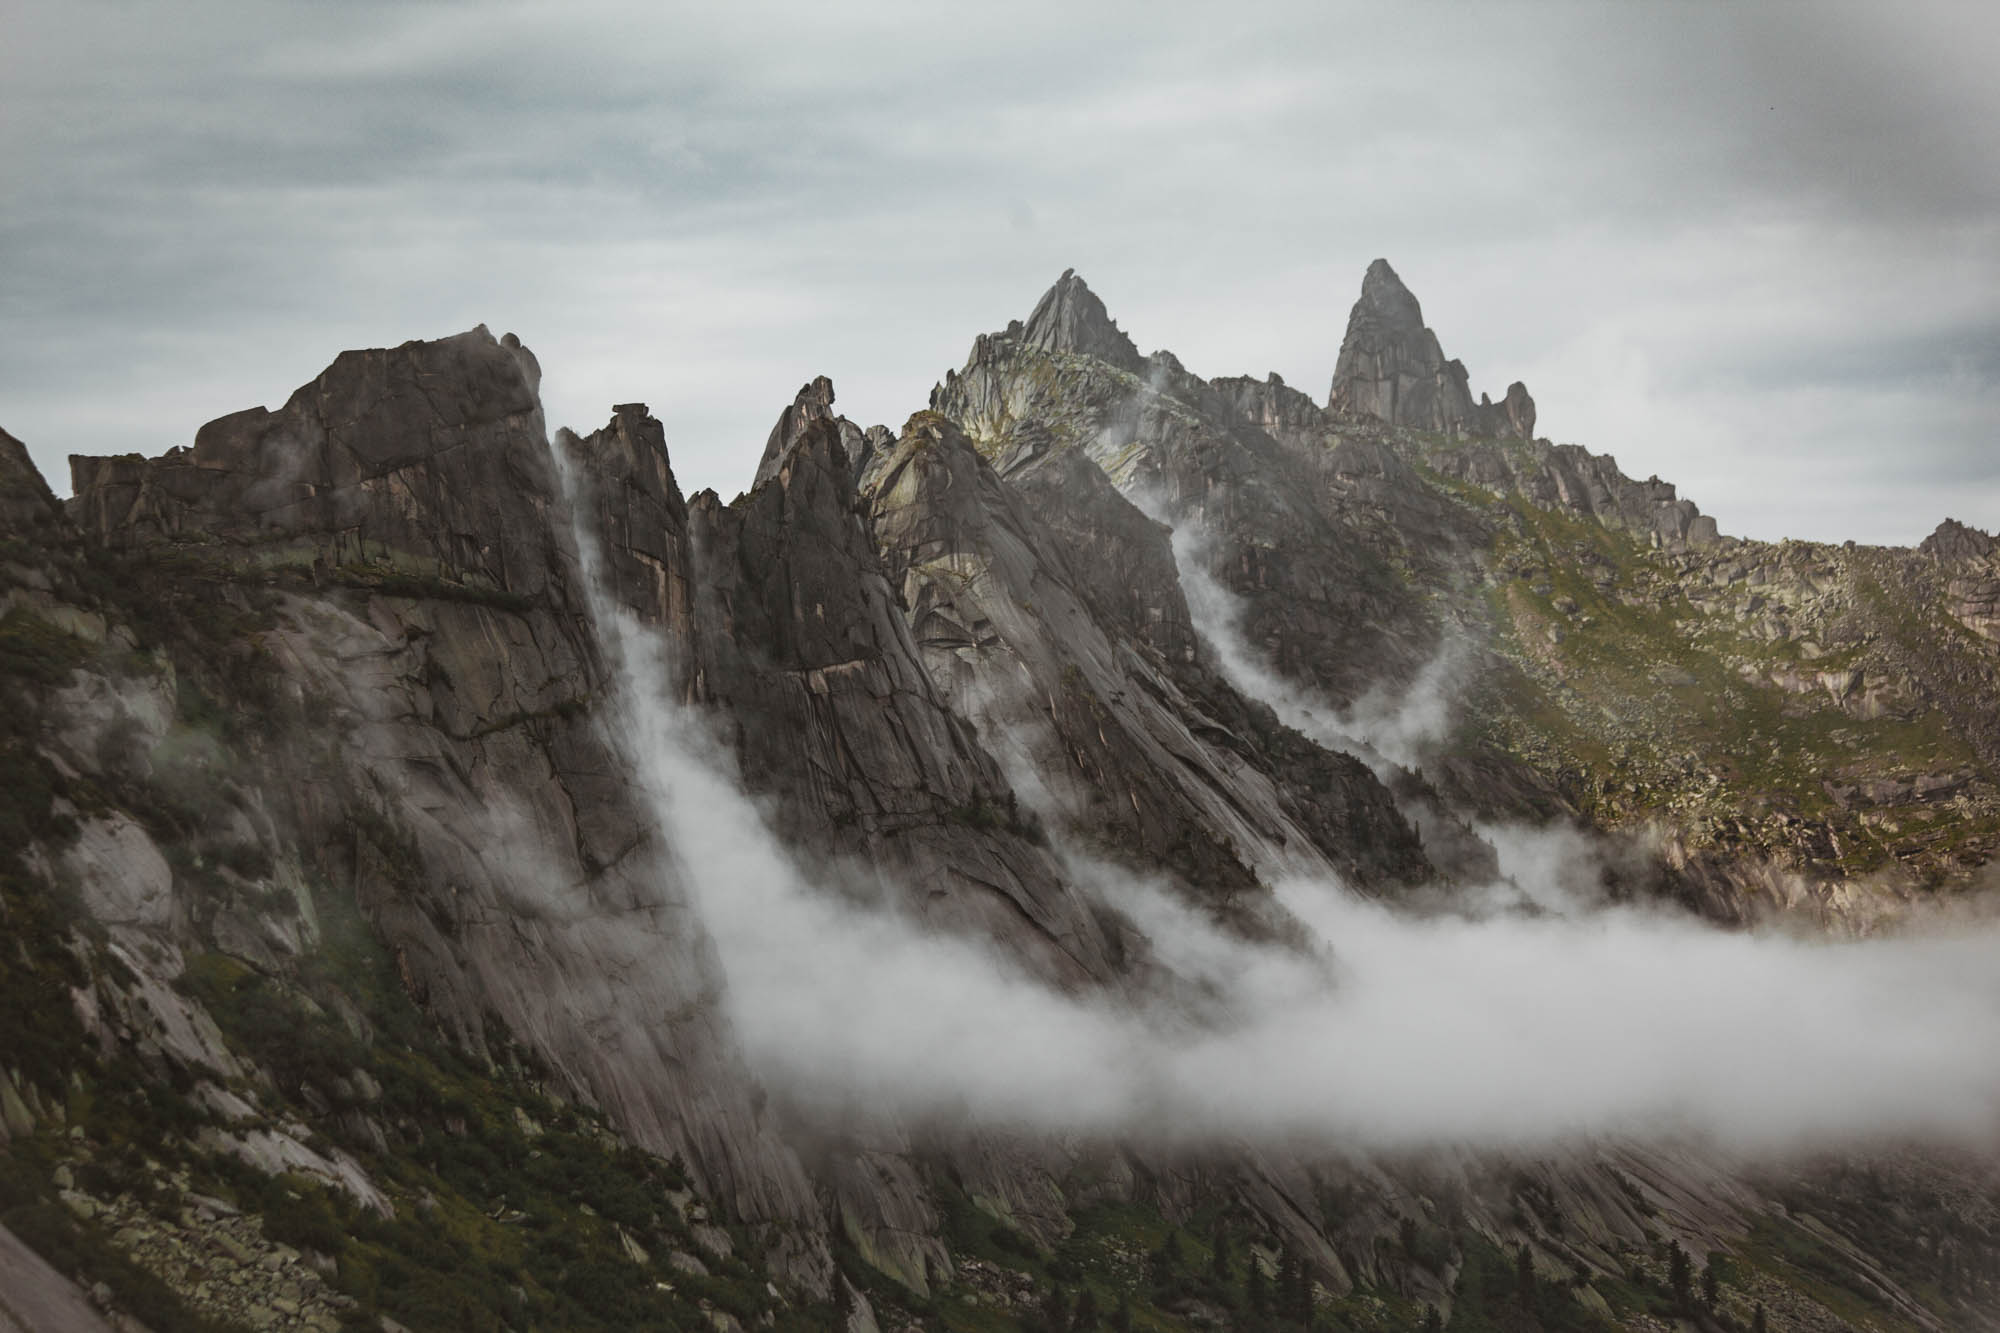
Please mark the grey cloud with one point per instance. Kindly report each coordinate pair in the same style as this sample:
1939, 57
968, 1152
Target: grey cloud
704, 206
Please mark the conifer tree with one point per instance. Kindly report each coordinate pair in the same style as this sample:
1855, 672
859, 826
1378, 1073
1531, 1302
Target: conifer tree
1759, 1321
1160, 1265
1711, 1281
1218, 1256
1524, 1277
1085, 1318
1055, 1310
1680, 1274
1433, 1321
1290, 1279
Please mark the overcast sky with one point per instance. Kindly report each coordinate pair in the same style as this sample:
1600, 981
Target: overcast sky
1752, 248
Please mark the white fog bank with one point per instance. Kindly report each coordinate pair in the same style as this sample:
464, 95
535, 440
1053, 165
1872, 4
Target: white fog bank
1391, 1031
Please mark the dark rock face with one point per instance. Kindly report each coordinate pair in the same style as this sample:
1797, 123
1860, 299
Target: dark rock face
1953, 541
1277, 409
814, 403
1071, 318
429, 454
1392, 370
930, 651
805, 651
1183, 446
435, 611
27, 505
631, 505
1022, 641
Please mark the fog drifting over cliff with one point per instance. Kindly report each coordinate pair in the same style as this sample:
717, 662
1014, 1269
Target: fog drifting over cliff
1488, 1027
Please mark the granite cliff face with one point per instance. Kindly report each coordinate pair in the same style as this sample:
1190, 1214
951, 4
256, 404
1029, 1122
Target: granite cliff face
353, 979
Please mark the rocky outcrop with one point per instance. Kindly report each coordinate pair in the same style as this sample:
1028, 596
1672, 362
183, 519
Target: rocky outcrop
1070, 318
1184, 449
1569, 477
1127, 758
429, 610
27, 506
1276, 408
1972, 597
1392, 370
621, 482
428, 459
1953, 541
804, 652
345, 659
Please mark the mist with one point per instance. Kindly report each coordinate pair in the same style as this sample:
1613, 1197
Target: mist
1382, 1029
1387, 723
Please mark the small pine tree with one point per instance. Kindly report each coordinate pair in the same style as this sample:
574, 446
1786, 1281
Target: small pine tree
1165, 1262
1290, 1279
1433, 1321
1759, 1321
1055, 1310
1680, 1276
1524, 1277
1256, 1290
1218, 1254
1711, 1283
1121, 1318
1085, 1318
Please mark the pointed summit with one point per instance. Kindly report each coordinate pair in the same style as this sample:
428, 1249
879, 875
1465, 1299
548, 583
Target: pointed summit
1384, 295
1070, 318
1391, 369
813, 403
26, 503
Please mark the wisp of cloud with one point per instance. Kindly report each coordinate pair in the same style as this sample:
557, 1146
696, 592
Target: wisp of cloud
1386, 1030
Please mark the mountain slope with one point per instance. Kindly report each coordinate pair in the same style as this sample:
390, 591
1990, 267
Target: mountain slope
345, 926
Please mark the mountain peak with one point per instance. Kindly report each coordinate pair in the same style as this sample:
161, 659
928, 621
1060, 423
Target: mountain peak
814, 402
1388, 299
1071, 318
1392, 369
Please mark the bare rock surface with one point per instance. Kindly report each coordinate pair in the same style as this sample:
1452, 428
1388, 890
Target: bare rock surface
1392, 370
35, 1298
476, 807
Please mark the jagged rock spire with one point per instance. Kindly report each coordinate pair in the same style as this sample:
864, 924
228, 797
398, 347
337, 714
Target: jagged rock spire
25, 499
1391, 369
813, 403
1071, 318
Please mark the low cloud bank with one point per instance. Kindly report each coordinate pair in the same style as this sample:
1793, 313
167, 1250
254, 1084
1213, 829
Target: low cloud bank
1386, 1030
